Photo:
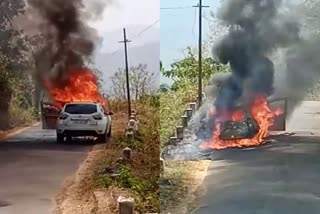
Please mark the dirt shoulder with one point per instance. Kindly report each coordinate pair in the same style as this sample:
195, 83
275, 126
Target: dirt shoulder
79, 193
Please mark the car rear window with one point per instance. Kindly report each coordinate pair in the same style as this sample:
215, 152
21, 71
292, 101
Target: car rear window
80, 108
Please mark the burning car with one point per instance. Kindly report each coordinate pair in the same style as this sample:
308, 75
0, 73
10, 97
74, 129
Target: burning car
76, 108
246, 125
83, 119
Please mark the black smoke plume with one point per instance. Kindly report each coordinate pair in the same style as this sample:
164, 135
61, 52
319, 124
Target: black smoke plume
66, 41
257, 29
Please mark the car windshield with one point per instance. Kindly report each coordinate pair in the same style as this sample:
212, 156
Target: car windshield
80, 108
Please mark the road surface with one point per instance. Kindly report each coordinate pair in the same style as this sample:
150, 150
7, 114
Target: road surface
279, 178
32, 170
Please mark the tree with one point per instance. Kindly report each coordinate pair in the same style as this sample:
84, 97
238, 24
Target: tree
141, 82
13, 81
186, 71
310, 15
118, 88
11, 41
216, 30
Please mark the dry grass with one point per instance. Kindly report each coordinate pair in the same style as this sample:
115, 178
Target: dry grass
140, 178
186, 178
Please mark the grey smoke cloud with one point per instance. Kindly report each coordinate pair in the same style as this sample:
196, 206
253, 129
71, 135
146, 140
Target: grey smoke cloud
258, 28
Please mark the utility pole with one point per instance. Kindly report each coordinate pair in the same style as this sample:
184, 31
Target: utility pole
200, 53
125, 41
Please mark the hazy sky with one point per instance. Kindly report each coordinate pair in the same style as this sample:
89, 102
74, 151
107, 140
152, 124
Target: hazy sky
135, 16
141, 18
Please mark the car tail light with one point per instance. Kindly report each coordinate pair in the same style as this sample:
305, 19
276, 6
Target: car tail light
97, 117
63, 116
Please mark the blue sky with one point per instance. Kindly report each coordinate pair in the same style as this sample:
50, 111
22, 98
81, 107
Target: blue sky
179, 28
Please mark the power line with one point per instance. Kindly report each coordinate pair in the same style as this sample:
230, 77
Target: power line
146, 29
138, 34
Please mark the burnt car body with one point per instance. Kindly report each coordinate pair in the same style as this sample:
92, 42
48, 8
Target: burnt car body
244, 129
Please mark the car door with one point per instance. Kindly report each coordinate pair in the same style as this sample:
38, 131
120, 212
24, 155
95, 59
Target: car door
49, 115
280, 121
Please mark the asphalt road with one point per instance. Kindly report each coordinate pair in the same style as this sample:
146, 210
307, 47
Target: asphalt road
33, 168
278, 178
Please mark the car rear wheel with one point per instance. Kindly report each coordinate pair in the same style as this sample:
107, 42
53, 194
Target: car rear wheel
109, 133
69, 138
60, 138
102, 138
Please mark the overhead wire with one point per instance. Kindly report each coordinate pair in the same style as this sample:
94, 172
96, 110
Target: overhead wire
139, 34
146, 29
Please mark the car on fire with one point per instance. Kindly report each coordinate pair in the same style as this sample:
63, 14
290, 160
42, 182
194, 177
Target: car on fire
79, 119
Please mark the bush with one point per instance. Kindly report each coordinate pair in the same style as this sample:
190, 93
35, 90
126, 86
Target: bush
20, 116
21, 112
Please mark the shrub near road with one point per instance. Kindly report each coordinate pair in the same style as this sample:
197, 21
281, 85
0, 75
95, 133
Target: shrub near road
174, 98
173, 103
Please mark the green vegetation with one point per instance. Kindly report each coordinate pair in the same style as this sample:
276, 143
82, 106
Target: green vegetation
174, 99
185, 72
172, 105
15, 81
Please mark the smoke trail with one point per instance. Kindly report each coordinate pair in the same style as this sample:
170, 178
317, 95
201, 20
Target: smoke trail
68, 41
298, 66
299, 72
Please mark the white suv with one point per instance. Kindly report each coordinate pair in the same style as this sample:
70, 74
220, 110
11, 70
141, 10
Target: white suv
83, 119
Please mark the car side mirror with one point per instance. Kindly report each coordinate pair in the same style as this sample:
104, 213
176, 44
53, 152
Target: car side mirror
109, 113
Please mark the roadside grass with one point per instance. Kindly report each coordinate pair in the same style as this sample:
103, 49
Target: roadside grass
140, 177
186, 178
20, 116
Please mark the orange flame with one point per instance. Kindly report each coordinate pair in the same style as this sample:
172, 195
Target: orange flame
81, 86
260, 112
